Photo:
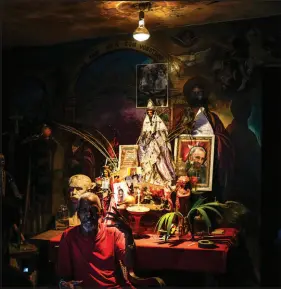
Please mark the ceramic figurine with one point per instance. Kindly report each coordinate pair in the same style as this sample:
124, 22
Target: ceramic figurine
182, 200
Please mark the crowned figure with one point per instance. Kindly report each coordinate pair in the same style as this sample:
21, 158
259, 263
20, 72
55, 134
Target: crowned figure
155, 154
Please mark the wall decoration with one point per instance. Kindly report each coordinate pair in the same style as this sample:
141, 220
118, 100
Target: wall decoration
152, 83
185, 38
128, 156
194, 156
191, 59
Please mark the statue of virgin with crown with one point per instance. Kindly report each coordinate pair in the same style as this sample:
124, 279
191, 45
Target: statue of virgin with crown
155, 153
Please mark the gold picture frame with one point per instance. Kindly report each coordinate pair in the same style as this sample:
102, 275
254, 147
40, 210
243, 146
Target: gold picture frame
128, 156
194, 156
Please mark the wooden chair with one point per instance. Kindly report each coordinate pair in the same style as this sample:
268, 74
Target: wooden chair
129, 275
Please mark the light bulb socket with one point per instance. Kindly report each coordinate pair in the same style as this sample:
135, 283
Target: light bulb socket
141, 15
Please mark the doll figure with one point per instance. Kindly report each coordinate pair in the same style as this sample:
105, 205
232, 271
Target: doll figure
182, 199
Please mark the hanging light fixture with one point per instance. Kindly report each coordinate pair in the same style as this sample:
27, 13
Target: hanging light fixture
141, 33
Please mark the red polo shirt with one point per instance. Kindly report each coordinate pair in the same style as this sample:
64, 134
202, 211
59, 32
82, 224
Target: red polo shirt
91, 259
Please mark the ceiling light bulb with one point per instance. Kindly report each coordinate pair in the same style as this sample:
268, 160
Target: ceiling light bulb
141, 33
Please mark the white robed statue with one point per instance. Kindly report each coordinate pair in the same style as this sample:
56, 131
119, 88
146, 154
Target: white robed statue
155, 152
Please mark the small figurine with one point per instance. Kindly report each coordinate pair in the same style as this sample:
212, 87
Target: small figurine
106, 179
182, 199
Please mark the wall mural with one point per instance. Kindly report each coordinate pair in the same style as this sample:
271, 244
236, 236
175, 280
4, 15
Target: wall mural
228, 64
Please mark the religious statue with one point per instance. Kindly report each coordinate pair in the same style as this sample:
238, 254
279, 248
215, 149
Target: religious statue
78, 185
154, 150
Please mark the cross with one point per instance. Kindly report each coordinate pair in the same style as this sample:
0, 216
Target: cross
16, 118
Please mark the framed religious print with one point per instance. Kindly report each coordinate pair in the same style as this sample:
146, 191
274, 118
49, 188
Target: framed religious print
128, 156
152, 83
194, 157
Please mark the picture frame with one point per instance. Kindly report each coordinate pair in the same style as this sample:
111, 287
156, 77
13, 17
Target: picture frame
120, 192
194, 156
152, 81
128, 156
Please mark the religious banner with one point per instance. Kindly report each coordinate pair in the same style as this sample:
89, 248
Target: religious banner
128, 156
194, 157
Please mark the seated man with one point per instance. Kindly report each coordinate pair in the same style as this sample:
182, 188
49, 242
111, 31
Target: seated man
89, 254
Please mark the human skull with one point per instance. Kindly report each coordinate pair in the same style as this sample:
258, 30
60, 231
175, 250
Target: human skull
78, 185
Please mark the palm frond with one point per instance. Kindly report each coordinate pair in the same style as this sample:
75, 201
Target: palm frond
198, 203
90, 139
107, 141
212, 209
205, 217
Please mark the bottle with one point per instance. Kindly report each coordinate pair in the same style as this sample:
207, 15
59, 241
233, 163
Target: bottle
62, 218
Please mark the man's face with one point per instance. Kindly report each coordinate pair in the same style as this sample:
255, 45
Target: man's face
198, 158
78, 185
88, 214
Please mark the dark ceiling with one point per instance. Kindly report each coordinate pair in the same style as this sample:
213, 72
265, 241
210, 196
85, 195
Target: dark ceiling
47, 22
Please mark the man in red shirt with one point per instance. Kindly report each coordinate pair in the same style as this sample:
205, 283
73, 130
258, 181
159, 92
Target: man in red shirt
89, 254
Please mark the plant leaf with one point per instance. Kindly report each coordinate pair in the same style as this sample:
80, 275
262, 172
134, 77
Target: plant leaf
213, 209
205, 217
216, 204
160, 222
198, 203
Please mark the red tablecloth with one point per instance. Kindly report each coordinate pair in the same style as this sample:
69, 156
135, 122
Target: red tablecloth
175, 255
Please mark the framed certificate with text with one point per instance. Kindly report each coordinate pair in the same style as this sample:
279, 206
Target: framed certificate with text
128, 156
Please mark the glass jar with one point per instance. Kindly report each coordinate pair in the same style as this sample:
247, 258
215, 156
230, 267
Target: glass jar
62, 218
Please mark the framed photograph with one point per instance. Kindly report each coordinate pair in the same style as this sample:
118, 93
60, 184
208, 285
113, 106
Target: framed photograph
120, 191
128, 156
152, 83
194, 156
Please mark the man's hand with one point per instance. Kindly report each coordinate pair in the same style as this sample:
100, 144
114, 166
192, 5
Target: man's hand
69, 285
120, 223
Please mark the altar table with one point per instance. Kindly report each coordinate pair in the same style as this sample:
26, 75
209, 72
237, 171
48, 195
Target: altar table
178, 254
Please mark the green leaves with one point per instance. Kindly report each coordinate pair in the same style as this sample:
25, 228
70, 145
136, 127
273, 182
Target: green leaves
166, 221
230, 211
205, 217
